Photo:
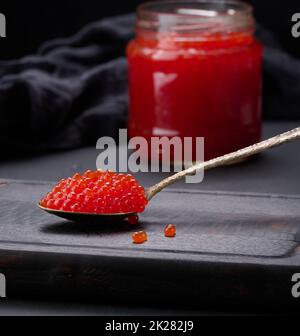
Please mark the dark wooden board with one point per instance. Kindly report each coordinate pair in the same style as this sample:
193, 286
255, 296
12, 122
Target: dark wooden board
230, 248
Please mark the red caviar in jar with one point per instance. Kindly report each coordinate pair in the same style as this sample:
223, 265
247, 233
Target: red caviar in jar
139, 237
170, 231
195, 71
97, 192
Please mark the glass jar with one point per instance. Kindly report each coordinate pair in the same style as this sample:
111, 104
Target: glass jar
195, 71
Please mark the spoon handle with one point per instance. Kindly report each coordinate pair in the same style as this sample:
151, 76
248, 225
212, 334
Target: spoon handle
225, 159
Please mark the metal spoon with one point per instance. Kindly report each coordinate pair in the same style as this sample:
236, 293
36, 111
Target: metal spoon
152, 191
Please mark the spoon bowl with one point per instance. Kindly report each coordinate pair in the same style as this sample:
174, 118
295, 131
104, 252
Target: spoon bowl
87, 218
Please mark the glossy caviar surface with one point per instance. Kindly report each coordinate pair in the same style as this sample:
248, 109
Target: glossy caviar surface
139, 237
170, 230
97, 192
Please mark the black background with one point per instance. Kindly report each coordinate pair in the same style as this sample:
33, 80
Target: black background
31, 22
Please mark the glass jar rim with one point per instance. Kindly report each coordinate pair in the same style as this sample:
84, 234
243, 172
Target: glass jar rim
202, 15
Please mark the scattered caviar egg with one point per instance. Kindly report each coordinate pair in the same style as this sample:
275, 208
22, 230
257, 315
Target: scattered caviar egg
139, 237
170, 230
97, 192
133, 219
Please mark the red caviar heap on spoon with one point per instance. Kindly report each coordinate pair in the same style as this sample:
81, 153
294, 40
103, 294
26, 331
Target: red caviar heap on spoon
99, 192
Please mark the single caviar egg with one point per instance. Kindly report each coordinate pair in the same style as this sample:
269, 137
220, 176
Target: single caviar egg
133, 219
139, 237
97, 191
170, 230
